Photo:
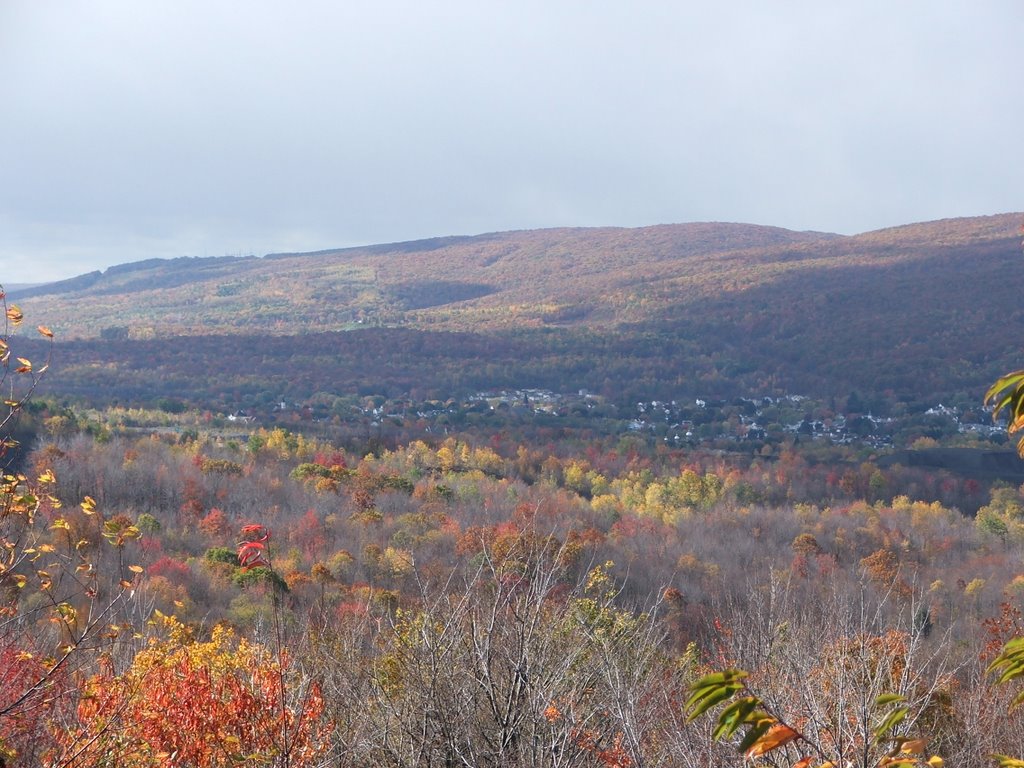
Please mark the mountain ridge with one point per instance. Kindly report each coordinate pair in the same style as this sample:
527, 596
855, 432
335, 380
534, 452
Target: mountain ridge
649, 311
553, 236
699, 238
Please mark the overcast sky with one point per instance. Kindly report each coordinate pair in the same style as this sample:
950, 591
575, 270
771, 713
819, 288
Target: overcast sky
132, 129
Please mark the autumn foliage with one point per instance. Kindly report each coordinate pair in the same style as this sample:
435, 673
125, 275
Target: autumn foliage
184, 702
471, 599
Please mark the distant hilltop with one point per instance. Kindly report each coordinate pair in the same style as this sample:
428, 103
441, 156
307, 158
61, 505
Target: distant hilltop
735, 308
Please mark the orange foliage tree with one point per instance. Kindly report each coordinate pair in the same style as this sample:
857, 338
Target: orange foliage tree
225, 701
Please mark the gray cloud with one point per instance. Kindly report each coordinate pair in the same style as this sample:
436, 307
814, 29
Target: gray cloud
133, 130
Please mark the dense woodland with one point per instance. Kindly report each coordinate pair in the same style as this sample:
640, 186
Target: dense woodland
178, 589
486, 603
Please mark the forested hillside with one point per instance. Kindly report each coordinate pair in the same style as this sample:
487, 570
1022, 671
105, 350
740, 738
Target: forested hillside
658, 312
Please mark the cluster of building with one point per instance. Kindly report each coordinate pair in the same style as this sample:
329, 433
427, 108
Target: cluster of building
769, 418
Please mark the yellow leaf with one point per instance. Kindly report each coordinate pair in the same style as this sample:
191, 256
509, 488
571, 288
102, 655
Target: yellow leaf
136, 568
14, 314
776, 736
935, 761
67, 612
88, 505
45, 331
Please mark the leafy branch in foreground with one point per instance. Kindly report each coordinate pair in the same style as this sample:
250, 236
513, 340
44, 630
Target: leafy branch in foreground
17, 382
1009, 666
58, 613
765, 732
1007, 394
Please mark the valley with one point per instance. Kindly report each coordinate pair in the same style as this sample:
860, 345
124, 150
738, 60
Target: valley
542, 484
